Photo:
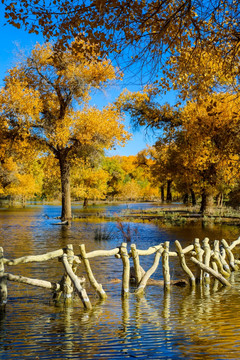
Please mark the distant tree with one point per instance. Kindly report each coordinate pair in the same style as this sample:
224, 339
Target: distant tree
89, 182
116, 175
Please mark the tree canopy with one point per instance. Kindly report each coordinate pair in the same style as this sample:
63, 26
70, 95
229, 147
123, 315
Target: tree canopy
148, 29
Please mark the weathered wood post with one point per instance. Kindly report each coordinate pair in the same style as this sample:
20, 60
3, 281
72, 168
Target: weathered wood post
76, 283
207, 256
3, 283
222, 255
165, 266
211, 272
136, 263
214, 266
126, 270
97, 287
230, 256
67, 283
150, 271
199, 255
217, 258
183, 263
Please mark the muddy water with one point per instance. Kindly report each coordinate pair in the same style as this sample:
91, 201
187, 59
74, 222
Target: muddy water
182, 324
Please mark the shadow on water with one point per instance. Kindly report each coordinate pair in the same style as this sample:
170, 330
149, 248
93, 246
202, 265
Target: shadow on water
180, 324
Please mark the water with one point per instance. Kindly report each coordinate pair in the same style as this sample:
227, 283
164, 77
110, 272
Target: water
182, 324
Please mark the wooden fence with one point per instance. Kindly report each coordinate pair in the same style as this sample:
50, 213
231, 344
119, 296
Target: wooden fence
217, 262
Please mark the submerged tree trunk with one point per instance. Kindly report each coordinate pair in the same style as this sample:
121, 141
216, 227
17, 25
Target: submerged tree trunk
65, 184
207, 203
169, 192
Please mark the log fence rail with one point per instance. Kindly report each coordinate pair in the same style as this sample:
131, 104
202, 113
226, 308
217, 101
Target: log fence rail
217, 263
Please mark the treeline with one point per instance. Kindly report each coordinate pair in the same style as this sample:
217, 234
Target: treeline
160, 173
113, 178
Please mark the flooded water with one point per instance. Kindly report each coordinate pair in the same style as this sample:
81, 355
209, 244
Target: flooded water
180, 324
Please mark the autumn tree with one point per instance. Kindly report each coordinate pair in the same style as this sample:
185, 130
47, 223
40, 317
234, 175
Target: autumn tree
148, 30
89, 181
116, 175
208, 143
45, 98
20, 173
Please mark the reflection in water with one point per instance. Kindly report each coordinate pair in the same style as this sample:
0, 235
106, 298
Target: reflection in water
182, 323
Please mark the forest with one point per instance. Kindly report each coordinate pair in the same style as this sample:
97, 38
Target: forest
54, 141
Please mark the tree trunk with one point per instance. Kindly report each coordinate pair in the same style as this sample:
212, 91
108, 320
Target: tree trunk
207, 203
220, 199
65, 184
85, 202
194, 202
169, 193
185, 198
162, 193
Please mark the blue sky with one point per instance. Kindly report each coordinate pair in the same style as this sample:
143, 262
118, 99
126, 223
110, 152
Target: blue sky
15, 40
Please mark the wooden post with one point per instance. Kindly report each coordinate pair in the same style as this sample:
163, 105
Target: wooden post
207, 256
3, 283
230, 256
67, 283
216, 251
126, 270
165, 266
215, 265
136, 263
76, 283
222, 255
235, 243
217, 258
199, 254
98, 287
150, 271
183, 263
211, 272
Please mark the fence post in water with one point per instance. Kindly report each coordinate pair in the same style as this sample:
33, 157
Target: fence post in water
165, 265
67, 283
91, 278
76, 282
207, 256
230, 255
211, 272
150, 271
3, 283
126, 269
136, 263
222, 255
183, 263
199, 254
217, 258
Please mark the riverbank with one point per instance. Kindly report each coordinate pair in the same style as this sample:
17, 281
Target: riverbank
176, 214
183, 214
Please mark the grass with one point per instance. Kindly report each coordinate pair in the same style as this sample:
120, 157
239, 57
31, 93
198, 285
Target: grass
101, 233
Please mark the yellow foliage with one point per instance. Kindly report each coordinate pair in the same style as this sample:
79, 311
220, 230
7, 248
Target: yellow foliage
89, 182
208, 139
39, 98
